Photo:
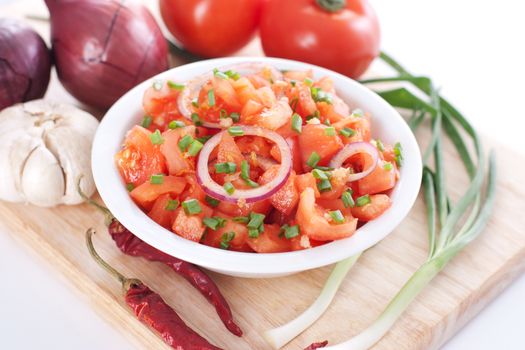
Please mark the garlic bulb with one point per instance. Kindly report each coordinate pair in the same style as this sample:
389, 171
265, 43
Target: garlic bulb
44, 148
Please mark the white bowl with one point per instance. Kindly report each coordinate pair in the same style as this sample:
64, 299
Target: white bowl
387, 125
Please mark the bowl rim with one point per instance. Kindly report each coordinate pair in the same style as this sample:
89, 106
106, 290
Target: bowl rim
118, 201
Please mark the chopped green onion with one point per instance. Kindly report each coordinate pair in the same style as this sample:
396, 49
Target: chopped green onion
329, 131
347, 132
297, 123
191, 206
156, 138
195, 102
226, 239
228, 187
157, 85
174, 85
175, 124
172, 205
235, 117
397, 152
212, 201
358, 112
253, 233
308, 81
241, 219
319, 95
232, 74
348, 200
195, 148
211, 98
196, 119
293, 103
157, 179
235, 131
290, 231
363, 200
225, 168
380, 146
251, 183
245, 170
388, 166
325, 168
313, 160
146, 122
319, 174
337, 216
219, 74
327, 122
324, 185
223, 114
203, 139
256, 220
185, 142
130, 187
215, 222
293, 82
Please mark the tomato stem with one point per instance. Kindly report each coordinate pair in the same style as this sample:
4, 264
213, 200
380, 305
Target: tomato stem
331, 5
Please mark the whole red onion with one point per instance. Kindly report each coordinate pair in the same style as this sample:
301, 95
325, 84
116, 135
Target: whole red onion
103, 48
25, 63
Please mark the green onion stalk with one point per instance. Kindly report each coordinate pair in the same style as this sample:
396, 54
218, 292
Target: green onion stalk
451, 226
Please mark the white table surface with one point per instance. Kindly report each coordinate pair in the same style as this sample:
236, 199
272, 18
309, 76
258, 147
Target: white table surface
473, 49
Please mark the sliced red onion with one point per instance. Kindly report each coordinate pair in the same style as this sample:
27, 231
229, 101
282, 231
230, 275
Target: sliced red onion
356, 148
215, 190
192, 88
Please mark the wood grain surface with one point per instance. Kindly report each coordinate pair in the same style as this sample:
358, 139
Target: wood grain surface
467, 284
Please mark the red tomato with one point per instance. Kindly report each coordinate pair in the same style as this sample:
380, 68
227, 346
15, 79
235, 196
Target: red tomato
346, 40
269, 241
313, 222
160, 214
287, 197
211, 28
379, 180
379, 203
315, 139
146, 193
139, 158
177, 163
191, 226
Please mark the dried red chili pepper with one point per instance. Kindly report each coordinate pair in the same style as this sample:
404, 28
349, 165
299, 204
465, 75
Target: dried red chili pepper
130, 244
318, 345
152, 310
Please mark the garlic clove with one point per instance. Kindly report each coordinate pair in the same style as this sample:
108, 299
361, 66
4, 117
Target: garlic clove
42, 179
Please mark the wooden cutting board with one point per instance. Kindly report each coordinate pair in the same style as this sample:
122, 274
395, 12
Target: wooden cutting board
470, 281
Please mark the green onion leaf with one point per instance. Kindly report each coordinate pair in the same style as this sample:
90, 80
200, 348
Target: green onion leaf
241, 219
235, 131
146, 122
347, 132
185, 142
293, 103
313, 160
253, 233
196, 119
157, 85
235, 117
172, 205
191, 206
388, 166
130, 187
211, 98
324, 186
399, 156
195, 148
329, 131
337, 216
226, 239
232, 74
380, 146
175, 124
219, 74
348, 200
156, 138
195, 102
256, 220
174, 85
157, 179
228, 187
308, 81
319, 174
225, 168
223, 114
290, 231
357, 113
212, 201
297, 123
363, 200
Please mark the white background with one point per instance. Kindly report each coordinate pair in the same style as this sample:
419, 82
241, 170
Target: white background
473, 49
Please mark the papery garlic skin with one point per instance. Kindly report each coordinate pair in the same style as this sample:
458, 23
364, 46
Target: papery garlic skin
44, 148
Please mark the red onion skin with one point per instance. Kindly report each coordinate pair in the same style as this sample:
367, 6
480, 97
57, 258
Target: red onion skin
104, 48
25, 63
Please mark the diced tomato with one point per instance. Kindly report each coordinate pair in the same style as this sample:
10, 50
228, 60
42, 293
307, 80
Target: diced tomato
298, 75
224, 90
379, 180
258, 81
269, 241
300, 99
157, 102
213, 237
191, 226
313, 222
360, 126
139, 158
314, 139
145, 194
270, 118
233, 209
177, 163
193, 189
379, 203
306, 180
259, 145
160, 214
287, 197
339, 185
229, 151
333, 204
244, 89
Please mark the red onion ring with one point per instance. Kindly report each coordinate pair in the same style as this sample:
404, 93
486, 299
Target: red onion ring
356, 148
215, 190
193, 86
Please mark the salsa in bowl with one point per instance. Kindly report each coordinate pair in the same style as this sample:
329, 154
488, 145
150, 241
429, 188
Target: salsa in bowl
218, 160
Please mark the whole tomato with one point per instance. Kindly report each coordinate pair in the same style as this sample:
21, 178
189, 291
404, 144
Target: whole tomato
342, 35
211, 28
